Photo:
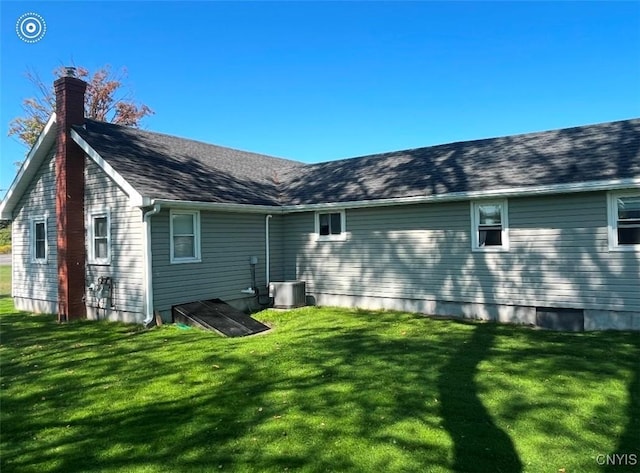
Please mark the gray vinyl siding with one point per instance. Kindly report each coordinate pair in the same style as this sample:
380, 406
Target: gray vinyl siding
561, 255
36, 281
276, 237
228, 240
558, 256
126, 267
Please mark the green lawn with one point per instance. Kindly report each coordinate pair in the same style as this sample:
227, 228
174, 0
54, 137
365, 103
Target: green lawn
325, 390
5, 280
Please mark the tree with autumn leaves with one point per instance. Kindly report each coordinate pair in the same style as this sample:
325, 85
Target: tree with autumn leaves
105, 100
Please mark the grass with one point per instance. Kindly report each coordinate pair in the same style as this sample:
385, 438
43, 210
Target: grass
5, 280
325, 390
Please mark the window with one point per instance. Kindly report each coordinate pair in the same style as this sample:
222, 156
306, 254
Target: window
489, 221
330, 225
39, 240
100, 237
624, 221
185, 236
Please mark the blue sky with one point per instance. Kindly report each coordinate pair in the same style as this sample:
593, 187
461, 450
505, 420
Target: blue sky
316, 81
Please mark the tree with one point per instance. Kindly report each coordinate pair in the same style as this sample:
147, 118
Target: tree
101, 102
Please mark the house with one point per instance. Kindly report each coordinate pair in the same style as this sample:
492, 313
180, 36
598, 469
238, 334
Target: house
120, 223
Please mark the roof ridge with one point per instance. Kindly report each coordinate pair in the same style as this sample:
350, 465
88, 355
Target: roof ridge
473, 141
191, 140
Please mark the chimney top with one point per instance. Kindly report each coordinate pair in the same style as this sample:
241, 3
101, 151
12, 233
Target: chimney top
69, 71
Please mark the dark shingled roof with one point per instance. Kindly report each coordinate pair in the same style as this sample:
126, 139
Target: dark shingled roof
588, 153
166, 167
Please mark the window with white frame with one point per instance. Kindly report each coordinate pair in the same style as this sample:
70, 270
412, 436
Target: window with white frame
39, 245
624, 221
489, 222
100, 237
185, 236
331, 225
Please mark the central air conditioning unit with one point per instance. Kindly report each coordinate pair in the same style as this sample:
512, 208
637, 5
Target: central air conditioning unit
288, 294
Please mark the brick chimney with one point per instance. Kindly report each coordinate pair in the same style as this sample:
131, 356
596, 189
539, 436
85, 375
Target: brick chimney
69, 166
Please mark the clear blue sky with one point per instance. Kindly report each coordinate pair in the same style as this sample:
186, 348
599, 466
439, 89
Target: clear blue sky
316, 81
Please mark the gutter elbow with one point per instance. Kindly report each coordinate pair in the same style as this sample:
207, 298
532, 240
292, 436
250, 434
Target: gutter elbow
150, 213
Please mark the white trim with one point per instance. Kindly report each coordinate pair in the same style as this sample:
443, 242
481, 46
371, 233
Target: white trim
592, 186
504, 222
217, 206
612, 220
33, 221
38, 153
335, 237
135, 198
91, 256
195, 215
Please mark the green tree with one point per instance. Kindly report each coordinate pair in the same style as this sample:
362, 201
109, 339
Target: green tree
5, 238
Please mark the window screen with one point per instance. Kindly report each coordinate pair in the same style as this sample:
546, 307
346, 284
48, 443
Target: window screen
40, 241
628, 220
330, 223
489, 225
184, 235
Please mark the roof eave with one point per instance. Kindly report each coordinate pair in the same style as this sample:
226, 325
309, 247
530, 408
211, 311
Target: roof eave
29, 168
217, 206
528, 191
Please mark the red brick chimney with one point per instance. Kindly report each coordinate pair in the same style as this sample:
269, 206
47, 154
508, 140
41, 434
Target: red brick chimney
70, 198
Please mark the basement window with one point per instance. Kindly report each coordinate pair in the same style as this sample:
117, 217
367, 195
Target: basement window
185, 236
331, 225
489, 226
39, 244
100, 237
624, 221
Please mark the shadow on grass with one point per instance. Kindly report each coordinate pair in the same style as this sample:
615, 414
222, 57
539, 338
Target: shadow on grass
97, 397
479, 444
629, 442
324, 391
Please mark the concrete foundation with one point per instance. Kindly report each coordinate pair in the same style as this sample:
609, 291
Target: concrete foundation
512, 314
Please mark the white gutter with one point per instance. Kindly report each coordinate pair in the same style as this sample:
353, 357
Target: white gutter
267, 247
593, 186
525, 191
148, 263
218, 206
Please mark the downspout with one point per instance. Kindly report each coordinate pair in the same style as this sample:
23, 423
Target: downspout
267, 250
148, 264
